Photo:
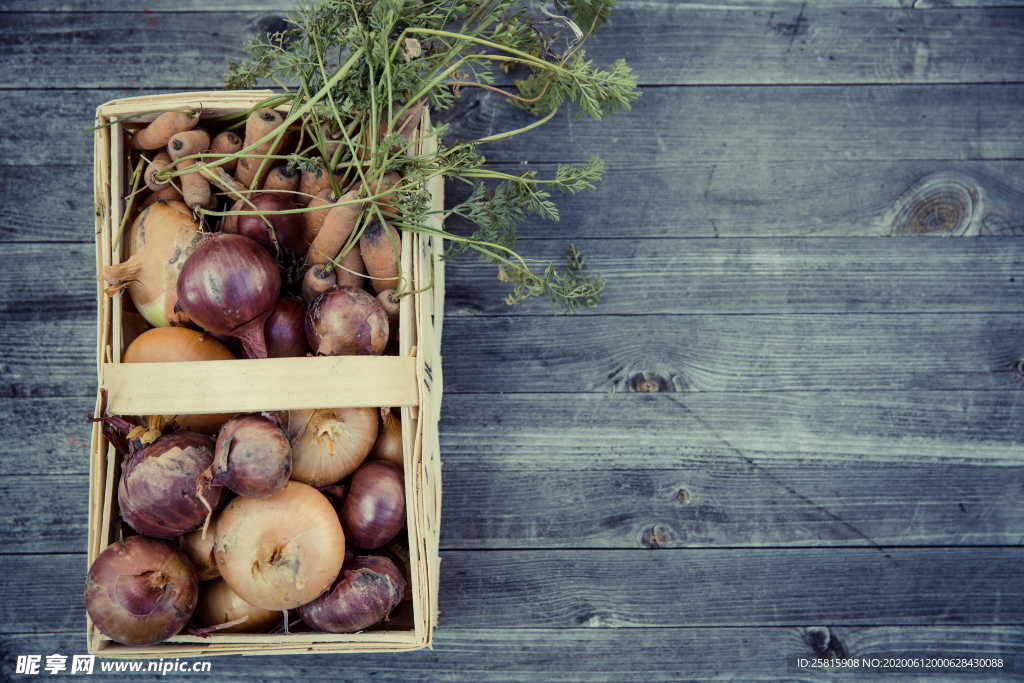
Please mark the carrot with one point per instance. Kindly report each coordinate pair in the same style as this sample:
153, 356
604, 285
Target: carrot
259, 124
169, 193
220, 178
195, 189
387, 202
157, 133
315, 183
155, 165
314, 219
230, 223
338, 225
227, 142
390, 303
283, 177
381, 248
318, 279
351, 264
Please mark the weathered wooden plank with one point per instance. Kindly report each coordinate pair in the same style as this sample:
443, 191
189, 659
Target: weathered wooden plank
655, 276
125, 6
636, 654
727, 199
666, 44
669, 125
665, 588
628, 353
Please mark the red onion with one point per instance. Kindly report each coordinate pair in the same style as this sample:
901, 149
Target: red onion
165, 490
345, 321
288, 227
285, 330
229, 285
368, 589
140, 591
373, 511
252, 457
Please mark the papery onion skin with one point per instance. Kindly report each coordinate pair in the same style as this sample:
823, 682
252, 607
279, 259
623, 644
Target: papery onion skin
252, 456
370, 586
282, 551
346, 321
218, 604
140, 591
174, 344
288, 227
388, 446
199, 551
229, 285
159, 242
373, 511
285, 330
329, 444
163, 485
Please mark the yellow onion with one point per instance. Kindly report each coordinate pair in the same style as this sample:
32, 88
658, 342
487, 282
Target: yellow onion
281, 551
159, 241
218, 604
179, 344
329, 444
198, 548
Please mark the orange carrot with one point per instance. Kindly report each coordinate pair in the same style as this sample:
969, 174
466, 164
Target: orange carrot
195, 189
260, 123
318, 278
312, 220
338, 225
346, 270
227, 142
284, 177
167, 194
316, 182
157, 133
381, 249
157, 164
387, 202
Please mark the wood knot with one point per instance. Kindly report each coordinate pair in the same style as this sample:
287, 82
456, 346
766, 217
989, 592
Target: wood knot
656, 536
939, 204
825, 643
272, 24
683, 497
648, 382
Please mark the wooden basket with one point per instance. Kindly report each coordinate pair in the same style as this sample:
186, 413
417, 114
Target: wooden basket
411, 380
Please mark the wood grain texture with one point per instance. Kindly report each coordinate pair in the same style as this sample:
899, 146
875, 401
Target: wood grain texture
584, 354
666, 44
754, 198
665, 588
669, 125
125, 6
636, 654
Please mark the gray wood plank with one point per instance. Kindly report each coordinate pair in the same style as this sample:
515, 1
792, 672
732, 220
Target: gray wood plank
665, 588
728, 199
665, 44
636, 654
657, 276
584, 354
670, 125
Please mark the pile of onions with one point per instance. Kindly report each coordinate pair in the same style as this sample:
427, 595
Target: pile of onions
165, 489
159, 241
252, 456
198, 548
218, 604
287, 227
346, 321
229, 285
328, 445
368, 589
373, 511
140, 591
285, 330
282, 551
177, 344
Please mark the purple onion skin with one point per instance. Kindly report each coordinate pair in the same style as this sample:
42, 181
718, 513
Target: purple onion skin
253, 456
285, 330
370, 586
288, 227
373, 511
162, 486
229, 285
140, 591
345, 321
